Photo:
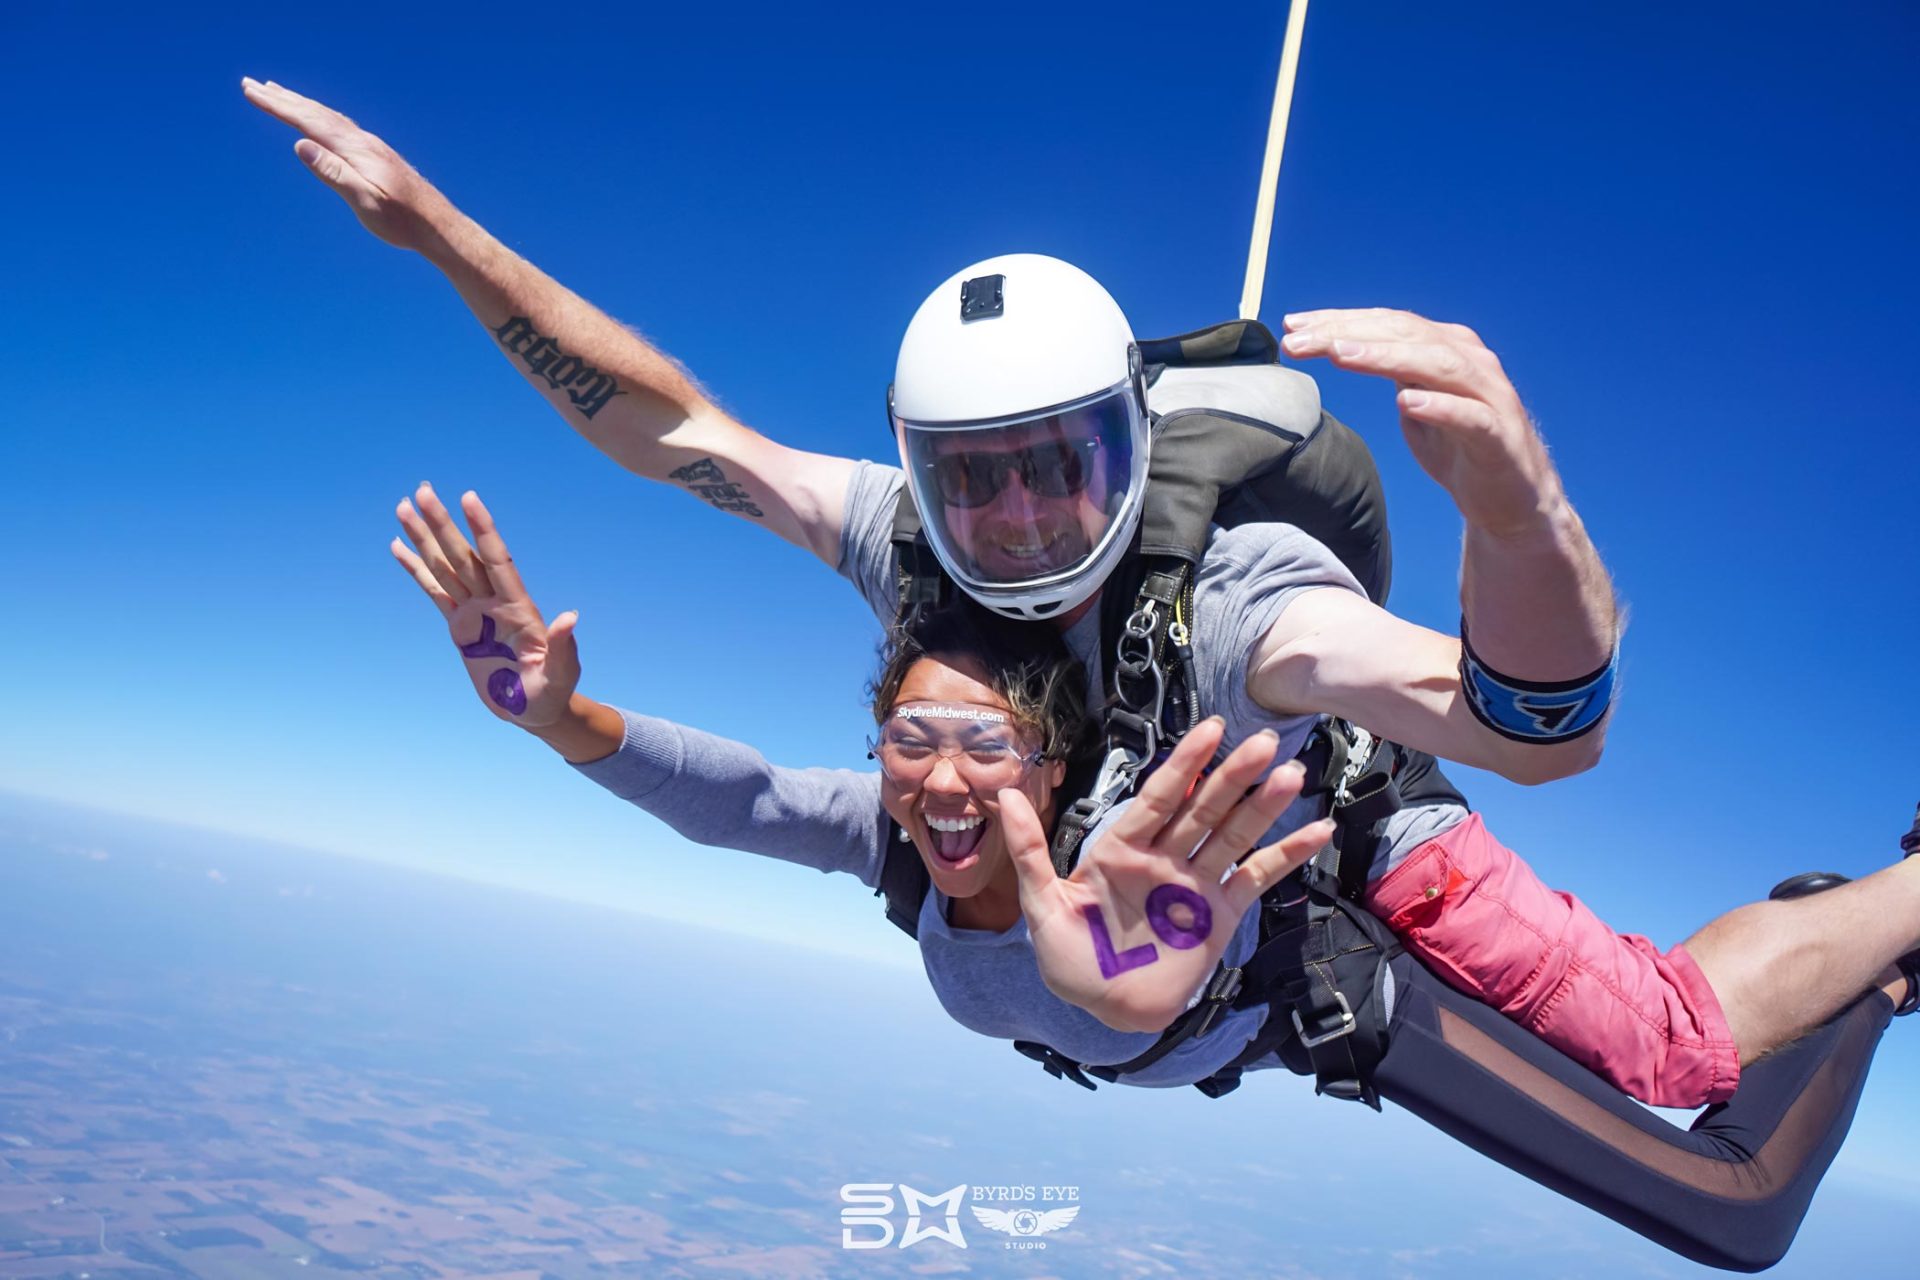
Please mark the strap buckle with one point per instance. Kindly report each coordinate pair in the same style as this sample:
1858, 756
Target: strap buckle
1361, 749
1058, 1064
1222, 989
1343, 1027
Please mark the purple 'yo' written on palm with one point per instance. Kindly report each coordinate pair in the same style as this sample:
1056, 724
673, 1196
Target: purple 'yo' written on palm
503, 686
486, 646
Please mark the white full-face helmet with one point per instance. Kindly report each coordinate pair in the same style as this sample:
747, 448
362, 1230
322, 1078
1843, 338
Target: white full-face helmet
1019, 403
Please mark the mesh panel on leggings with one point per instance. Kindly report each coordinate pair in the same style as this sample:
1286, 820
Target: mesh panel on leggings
1706, 1158
1729, 1192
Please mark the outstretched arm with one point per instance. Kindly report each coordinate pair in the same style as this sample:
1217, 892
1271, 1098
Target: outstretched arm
630, 400
1536, 603
1335, 651
527, 671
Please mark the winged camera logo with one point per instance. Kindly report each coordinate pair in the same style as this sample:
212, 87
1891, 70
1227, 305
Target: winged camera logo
1026, 1222
1033, 1211
1023, 1213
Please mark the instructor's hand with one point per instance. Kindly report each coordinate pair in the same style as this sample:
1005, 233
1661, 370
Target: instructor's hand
1145, 916
1462, 418
384, 191
524, 670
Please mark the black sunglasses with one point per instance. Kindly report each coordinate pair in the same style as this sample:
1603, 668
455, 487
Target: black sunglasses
1054, 469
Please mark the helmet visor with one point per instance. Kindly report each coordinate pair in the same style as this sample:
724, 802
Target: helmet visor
1028, 501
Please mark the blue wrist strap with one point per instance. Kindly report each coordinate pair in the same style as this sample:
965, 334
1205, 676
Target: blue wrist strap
1540, 711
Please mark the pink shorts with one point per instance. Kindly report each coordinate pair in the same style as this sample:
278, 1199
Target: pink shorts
1478, 916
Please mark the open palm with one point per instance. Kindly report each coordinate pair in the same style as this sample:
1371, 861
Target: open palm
1147, 913
524, 670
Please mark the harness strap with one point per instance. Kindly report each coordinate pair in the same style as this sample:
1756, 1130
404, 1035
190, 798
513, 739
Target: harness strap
1221, 992
1321, 1012
903, 881
919, 581
1343, 1064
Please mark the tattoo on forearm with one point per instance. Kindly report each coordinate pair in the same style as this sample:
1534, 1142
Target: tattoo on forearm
706, 479
1160, 904
587, 387
503, 686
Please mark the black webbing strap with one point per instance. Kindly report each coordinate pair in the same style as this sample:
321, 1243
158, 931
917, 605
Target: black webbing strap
1361, 815
1222, 992
920, 584
1322, 1015
1342, 1064
919, 581
903, 881
1071, 829
1303, 933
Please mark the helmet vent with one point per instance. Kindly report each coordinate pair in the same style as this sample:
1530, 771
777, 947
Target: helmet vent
982, 298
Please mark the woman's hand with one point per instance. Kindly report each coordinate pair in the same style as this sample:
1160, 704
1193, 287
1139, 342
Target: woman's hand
524, 670
1145, 916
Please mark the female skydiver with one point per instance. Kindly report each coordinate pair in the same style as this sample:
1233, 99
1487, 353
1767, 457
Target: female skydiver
975, 734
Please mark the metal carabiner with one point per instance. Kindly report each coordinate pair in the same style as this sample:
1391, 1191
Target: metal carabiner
1361, 748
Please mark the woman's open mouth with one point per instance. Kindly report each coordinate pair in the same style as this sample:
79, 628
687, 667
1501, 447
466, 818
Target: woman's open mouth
956, 839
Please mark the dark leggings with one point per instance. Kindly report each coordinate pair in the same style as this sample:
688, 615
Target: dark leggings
1729, 1192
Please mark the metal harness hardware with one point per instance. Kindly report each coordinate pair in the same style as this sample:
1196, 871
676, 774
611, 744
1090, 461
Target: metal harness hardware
1343, 1026
1134, 732
1058, 1064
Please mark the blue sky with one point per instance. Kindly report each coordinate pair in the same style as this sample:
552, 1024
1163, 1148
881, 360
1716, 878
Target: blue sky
1687, 233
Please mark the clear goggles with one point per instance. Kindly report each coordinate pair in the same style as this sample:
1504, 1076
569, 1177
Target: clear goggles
1030, 500
983, 744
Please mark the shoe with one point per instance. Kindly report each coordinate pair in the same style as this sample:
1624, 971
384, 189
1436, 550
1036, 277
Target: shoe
1910, 963
1812, 882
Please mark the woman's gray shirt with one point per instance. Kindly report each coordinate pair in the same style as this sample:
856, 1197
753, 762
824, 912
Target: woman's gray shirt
723, 793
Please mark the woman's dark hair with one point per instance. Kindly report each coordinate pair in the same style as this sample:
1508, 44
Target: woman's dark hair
1025, 663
